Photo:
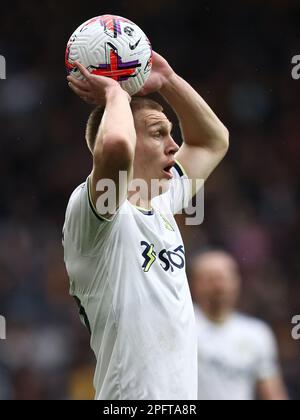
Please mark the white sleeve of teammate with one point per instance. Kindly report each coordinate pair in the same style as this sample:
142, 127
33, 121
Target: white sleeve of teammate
267, 366
179, 189
86, 228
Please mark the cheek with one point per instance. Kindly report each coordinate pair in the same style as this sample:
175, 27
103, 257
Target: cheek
146, 152
140, 154
142, 159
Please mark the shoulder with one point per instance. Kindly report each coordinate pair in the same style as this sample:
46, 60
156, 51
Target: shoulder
78, 190
85, 230
80, 204
249, 321
253, 327
76, 196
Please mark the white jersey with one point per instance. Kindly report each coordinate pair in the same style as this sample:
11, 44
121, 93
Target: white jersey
129, 276
233, 357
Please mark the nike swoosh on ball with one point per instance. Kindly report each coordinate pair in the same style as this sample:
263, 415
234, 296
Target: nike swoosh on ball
133, 47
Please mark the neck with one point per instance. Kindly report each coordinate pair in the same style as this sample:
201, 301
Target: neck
217, 315
138, 201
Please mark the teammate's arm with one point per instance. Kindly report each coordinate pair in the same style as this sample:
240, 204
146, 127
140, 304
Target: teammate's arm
206, 139
272, 389
116, 139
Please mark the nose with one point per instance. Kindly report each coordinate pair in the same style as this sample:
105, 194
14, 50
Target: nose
171, 146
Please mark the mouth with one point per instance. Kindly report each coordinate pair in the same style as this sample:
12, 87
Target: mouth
168, 172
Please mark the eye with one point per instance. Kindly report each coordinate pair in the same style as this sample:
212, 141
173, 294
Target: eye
157, 134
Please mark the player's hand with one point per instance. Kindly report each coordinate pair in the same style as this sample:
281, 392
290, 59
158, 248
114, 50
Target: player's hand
160, 73
94, 88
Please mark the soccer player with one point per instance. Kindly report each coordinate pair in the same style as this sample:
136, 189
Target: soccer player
237, 355
126, 264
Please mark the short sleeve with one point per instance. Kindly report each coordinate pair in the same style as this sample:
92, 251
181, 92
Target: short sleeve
84, 227
178, 196
267, 363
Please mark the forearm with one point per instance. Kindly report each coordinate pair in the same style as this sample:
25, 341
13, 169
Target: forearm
114, 150
199, 124
272, 389
117, 122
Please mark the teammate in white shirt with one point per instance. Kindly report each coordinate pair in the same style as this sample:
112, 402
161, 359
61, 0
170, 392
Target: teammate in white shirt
127, 264
237, 355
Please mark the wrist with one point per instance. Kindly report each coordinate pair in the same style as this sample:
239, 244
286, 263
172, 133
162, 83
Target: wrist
116, 90
169, 82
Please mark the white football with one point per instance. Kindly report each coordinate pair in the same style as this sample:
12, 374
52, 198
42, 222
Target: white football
111, 46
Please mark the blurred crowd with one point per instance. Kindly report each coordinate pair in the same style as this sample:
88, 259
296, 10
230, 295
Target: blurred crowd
238, 57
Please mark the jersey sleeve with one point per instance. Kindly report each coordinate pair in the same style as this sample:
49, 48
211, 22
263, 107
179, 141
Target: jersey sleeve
267, 363
180, 189
84, 227
178, 196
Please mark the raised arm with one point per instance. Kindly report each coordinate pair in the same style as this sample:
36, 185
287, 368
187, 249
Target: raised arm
205, 138
116, 138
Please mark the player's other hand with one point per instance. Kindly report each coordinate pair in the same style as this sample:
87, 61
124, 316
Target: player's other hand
94, 88
160, 74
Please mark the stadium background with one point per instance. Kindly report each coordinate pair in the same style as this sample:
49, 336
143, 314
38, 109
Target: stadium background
238, 56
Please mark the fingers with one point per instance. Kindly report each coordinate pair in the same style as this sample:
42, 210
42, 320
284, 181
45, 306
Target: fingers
93, 88
80, 84
83, 70
83, 94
